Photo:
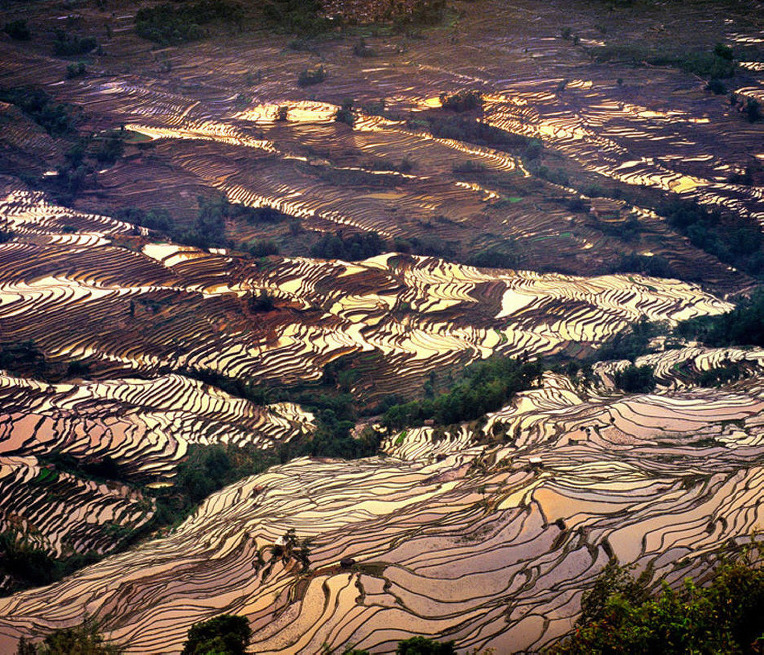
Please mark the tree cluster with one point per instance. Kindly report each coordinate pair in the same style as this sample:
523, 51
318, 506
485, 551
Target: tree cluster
67, 45
621, 616
350, 248
56, 118
486, 387
464, 100
743, 326
18, 30
173, 24
635, 379
739, 243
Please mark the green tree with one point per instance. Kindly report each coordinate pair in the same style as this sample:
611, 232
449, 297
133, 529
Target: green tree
726, 616
424, 646
80, 640
226, 634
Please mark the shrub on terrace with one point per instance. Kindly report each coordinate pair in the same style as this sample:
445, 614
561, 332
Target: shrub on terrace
67, 45
75, 70
18, 30
464, 100
311, 76
361, 49
266, 248
345, 113
716, 87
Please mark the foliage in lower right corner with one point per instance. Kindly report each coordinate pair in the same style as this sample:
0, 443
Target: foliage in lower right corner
621, 616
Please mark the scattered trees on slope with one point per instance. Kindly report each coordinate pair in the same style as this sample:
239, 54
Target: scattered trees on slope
621, 616
56, 118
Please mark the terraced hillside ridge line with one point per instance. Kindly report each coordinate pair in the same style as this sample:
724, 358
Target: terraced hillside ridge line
125, 304
451, 539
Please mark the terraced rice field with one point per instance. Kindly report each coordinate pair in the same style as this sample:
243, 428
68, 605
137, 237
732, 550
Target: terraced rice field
487, 533
210, 113
123, 304
450, 538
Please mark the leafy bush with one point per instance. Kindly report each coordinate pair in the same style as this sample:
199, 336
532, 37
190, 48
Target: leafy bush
18, 30
716, 87
621, 617
75, 70
263, 248
311, 76
345, 113
361, 49
226, 634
